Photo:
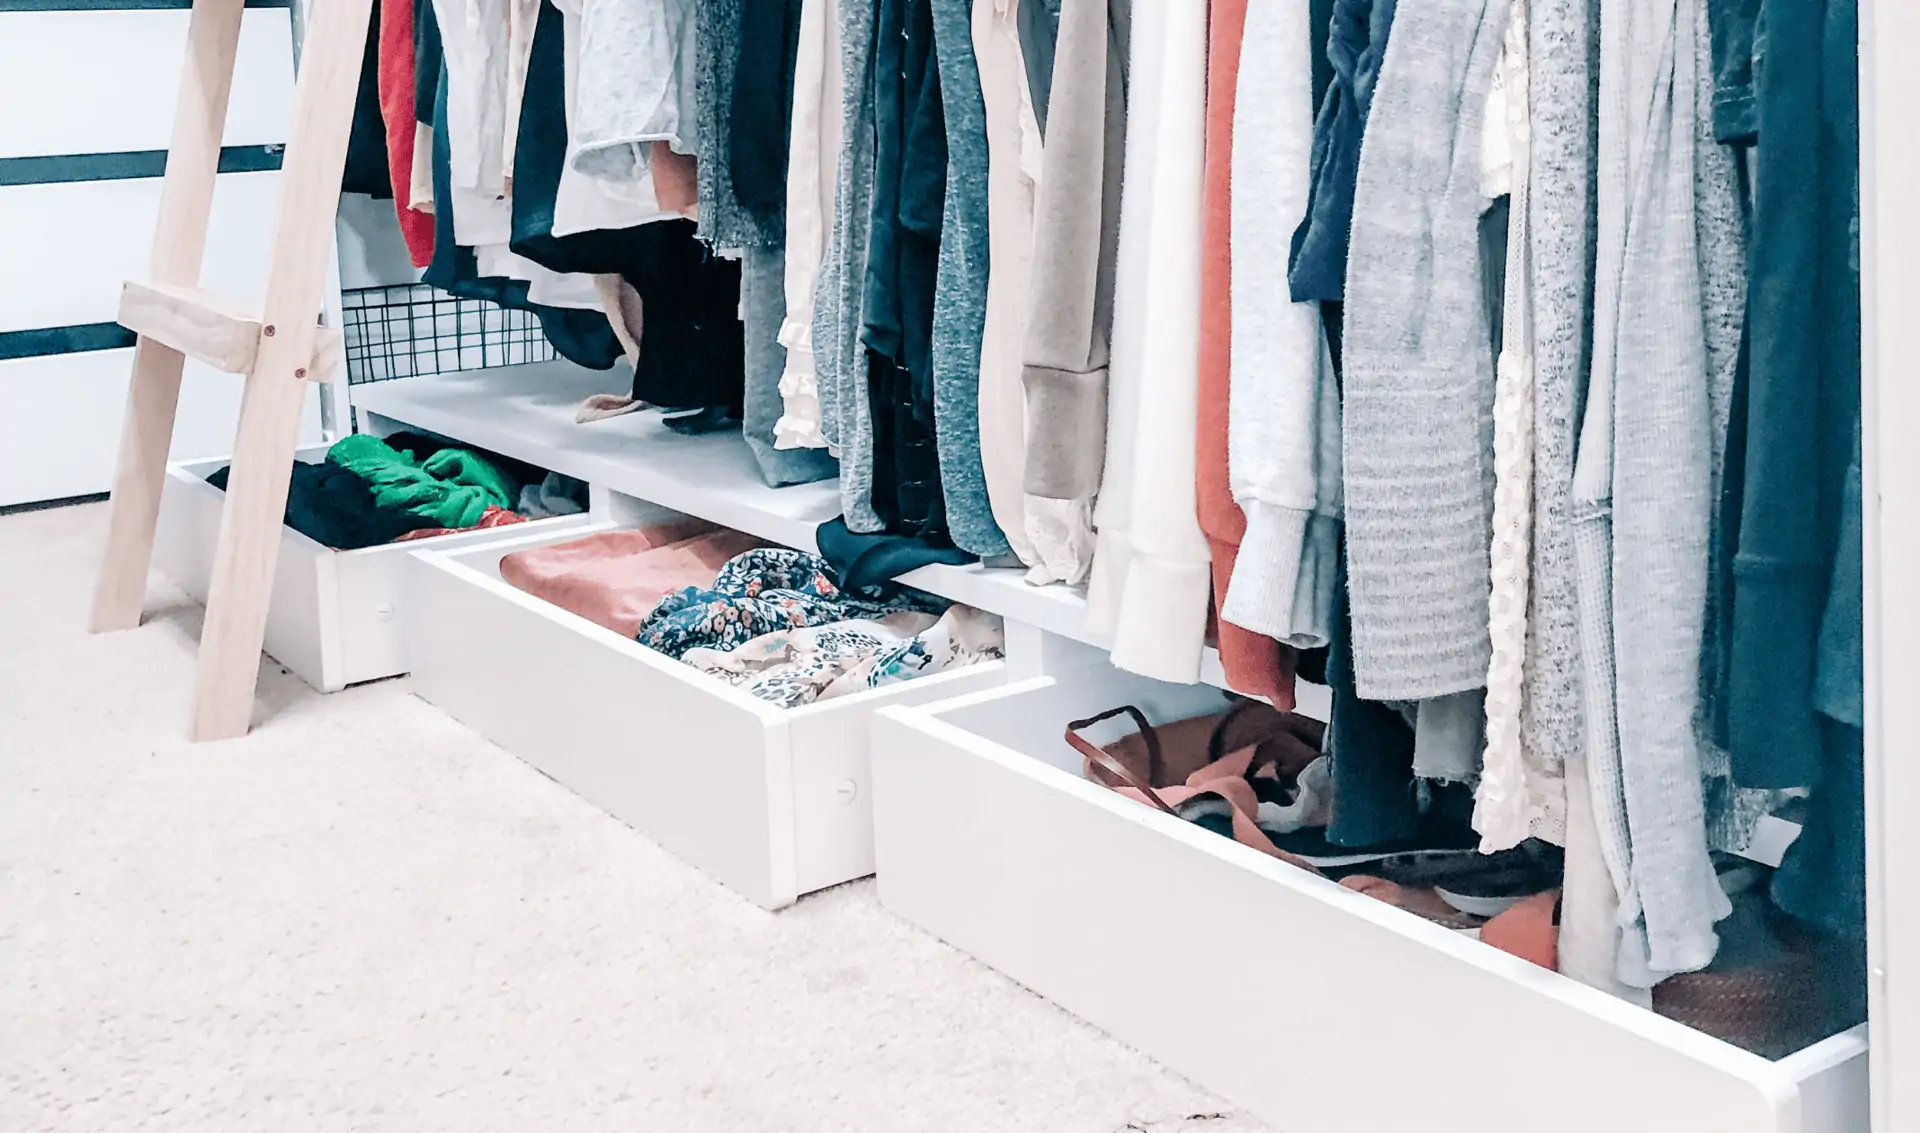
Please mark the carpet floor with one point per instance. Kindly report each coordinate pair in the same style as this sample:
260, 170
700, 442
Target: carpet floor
362, 916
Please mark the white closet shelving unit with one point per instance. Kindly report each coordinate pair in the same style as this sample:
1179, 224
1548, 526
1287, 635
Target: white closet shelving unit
1318, 1008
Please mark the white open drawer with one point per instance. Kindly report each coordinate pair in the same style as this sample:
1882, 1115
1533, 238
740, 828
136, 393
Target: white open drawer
1318, 1008
335, 616
769, 801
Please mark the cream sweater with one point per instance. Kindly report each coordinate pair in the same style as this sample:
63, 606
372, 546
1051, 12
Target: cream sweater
1153, 588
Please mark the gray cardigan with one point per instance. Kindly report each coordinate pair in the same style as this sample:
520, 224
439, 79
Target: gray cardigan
1418, 424
1642, 497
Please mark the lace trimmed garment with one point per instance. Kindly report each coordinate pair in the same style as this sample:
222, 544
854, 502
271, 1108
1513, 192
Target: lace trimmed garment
1521, 792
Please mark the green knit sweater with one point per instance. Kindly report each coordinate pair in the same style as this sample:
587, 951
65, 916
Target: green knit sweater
453, 487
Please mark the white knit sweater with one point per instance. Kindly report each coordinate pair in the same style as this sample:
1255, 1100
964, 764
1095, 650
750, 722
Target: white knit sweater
1153, 586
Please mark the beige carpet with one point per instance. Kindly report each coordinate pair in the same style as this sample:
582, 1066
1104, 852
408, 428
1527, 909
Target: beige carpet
364, 917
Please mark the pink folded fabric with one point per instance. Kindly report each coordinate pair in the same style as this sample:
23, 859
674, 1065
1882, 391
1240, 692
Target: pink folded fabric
616, 578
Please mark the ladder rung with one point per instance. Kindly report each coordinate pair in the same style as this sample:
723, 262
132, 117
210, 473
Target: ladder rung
217, 329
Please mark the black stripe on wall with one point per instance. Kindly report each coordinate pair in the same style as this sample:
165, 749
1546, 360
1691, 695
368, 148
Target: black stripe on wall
63, 340
62, 168
114, 5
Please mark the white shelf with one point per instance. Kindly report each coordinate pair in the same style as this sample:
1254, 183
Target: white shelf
526, 412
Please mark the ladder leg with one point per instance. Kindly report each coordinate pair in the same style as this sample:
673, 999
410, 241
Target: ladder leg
179, 244
249, 547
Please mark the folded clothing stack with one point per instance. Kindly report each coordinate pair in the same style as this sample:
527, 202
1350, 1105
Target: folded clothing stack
371, 491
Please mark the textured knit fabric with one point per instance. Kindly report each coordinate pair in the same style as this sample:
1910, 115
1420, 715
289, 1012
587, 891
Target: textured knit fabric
636, 85
763, 305
453, 487
1519, 794
1160, 617
1013, 177
1735, 120
813, 147
1720, 227
960, 309
1280, 371
1075, 247
1643, 499
839, 358
724, 221
1560, 233
762, 591
1417, 429
1254, 663
1075, 251
397, 102
1356, 45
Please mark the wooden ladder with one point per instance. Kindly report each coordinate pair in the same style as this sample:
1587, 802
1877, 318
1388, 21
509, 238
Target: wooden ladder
276, 344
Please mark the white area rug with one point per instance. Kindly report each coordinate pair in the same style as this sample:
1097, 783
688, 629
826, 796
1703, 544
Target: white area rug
364, 917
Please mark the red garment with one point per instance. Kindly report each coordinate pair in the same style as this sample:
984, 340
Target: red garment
1256, 665
396, 110
494, 516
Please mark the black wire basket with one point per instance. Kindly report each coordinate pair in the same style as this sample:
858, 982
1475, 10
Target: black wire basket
413, 330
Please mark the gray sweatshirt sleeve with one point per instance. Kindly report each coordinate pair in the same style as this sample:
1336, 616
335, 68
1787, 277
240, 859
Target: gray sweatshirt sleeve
1076, 231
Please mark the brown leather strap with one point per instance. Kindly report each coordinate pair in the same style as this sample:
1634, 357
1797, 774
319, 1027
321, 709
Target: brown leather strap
1148, 736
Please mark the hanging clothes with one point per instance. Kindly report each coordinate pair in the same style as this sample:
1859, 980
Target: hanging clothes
1012, 181
840, 360
1796, 572
1038, 30
397, 102
1418, 374
540, 171
1253, 662
1641, 497
581, 336
726, 222
1284, 436
812, 151
692, 345
636, 86
763, 307
902, 266
1075, 254
1520, 795
761, 109
960, 287
1151, 574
